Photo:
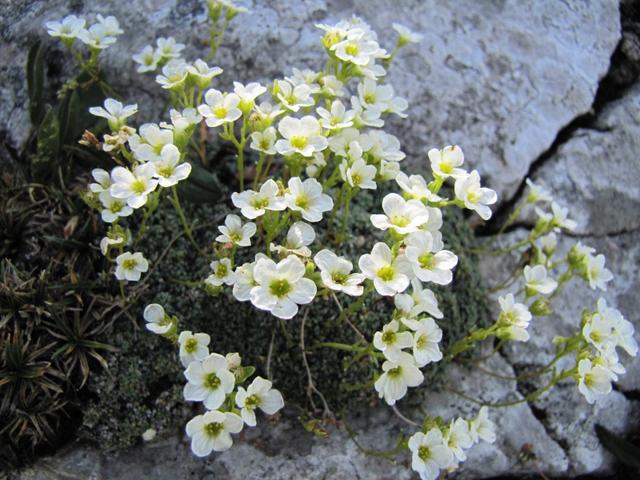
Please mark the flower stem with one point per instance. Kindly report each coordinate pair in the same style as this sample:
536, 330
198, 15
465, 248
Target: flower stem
187, 228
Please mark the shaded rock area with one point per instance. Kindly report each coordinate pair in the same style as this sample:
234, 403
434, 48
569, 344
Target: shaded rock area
519, 86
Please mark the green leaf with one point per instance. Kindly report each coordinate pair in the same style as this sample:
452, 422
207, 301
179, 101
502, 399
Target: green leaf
201, 187
624, 451
35, 82
47, 146
74, 110
243, 373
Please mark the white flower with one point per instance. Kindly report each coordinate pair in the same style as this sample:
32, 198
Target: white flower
264, 141
193, 347
181, 121
267, 112
398, 375
415, 186
514, 319
112, 240
335, 273
133, 186
390, 275
597, 274
537, 193
402, 216
593, 380
445, 162
429, 264
209, 381
130, 266
169, 170
537, 281
244, 280
114, 112
390, 341
248, 94
148, 145
361, 175
103, 180
388, 170
211, 432
157, 320
96, 37
173, 75
382, 146
474, 196
623, 331
299, 237
305, 77
307, 198
373, 96
281, 287
357, 48
421, 300
331, 86
233, 231
458, 438
482, 428
254, 204
337, 118
147, 59
219, 108
222, 273
293, 98
110, 25
114, 208
233, 361
203, 73
300, 135
406, 35
169, 48
548, 243
425, 340
558, 217
68, 28
259, 394
430, 453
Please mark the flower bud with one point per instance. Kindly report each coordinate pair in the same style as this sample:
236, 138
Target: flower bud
541, 307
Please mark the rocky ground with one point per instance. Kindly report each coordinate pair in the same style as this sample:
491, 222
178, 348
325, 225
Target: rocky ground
544, 89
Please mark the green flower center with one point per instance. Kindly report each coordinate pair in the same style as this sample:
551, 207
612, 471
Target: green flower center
446, 167
221, 270
427, 261
129, 264
386, 273
165, 171
280, 288
589, 380
252, 402
235, 236
356, 179
370, 98
302, 201
116, 206
473, 197
191, 345
424, 453
421, 341
259, 203
138, 186
211, 381
214, 429
339, 277
395, 372
388, 337
220, 111
352, 49
399, 221
299, 142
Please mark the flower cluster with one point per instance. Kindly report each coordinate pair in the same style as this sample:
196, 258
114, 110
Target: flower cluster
100, 35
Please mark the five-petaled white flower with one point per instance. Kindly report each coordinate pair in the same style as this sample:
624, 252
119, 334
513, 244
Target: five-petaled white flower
114, 112
209, 381
130, 266
537, 280
248, 94
220, 108
430, 453
157, 320
307, 198
168, 47
445, 163
134, 187
212, 432
335, 273
558, 217
421, 300
293, 97
406, 35
339, 117
426, 340
193, 346
597, 274
415, 186
254, 204
299, 237
67, 28
429, 263
103, 180
222, 273
458, 438
300, 135
474, 196
391, 341
202, 73
244, 280
281, 287
537, 193
481, 428
622, 329
357, 48
147, 59
148, 145
259, 394
398, 375
233, 231
593, 380
114, 208
513, 320
360, 174
390, 275
169, 170
264, 141
96, 37
402, 216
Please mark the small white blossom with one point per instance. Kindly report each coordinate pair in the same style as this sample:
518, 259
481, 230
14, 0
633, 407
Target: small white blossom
293, 97
248, 94
67, 28
406, 35
415, 186
169, 170
391, 341
593, 380
202, 73
360, 175
402, 216
515, 317
597, 274
429, 263
209, 381
558, 217
475, 197
537, 280
537, 193
300, 135
193, 347
264, 141
430, 453
103, 180
233, 231
114, 112
382, 146
254, 204
307, 198
426, 339
148, 145
96, 36
548, 243
390, 275
244, 280
130, 266
481, 428
168, 47
299, 237
357, 48
212, 432
157, 320
398, 375
134, 187
110, 25
114, 208
219, 108
222, 273
147, 59
339, 117
622, 329
259, 394
458, 438
335, 273
421, 300
445, 163
174, 74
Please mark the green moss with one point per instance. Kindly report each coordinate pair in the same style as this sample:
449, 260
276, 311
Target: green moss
144, 385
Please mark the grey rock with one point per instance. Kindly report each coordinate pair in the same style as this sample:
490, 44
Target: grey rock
499, 78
